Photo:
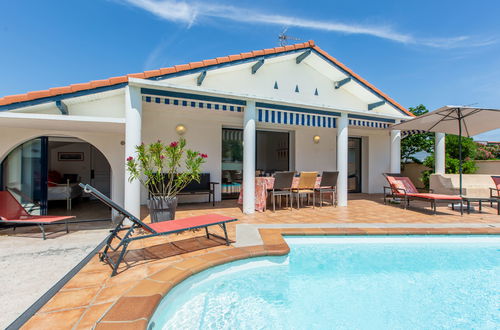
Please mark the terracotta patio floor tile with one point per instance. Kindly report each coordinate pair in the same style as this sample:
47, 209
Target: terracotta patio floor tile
86, 279
71, 299
171, 274
56, 320
92, 315
112, 293
148, 288
132, 308
135, 325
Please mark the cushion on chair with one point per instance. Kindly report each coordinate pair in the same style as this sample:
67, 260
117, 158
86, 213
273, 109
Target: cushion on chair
402, 182
433, 196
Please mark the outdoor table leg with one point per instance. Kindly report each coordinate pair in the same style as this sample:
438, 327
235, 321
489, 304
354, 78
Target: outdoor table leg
480, 206
468, 206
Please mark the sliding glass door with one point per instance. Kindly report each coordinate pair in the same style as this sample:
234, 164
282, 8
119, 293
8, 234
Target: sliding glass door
24, 174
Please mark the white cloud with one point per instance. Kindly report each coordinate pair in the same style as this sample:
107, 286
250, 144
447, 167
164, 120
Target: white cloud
189, 12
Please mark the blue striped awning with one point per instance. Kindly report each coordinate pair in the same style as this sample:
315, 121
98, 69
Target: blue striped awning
295, 118
368, 123
193, 103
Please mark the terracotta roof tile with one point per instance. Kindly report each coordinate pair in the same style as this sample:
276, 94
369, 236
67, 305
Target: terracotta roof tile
80, 87
234, 57
210, 62
60, 90
181, 67
151, 73
136, 75
195, 65
223, 59
165, 71
246, 55
99, 83
38, 94
118, 80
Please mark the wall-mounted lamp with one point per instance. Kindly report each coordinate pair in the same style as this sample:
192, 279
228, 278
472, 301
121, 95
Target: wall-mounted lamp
180, 129
316, 139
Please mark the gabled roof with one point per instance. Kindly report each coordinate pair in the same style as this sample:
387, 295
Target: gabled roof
116, 81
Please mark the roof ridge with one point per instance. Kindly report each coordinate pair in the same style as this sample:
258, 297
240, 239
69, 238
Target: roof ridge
51, 92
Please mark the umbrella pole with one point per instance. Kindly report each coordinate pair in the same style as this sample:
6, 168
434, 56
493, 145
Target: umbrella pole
460, 148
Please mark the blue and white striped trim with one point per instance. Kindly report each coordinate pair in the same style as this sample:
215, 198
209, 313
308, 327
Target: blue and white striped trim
193, 103
411, 132
367, 123
295, 118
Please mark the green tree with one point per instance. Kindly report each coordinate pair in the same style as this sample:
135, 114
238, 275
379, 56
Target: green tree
415, 143
469, 150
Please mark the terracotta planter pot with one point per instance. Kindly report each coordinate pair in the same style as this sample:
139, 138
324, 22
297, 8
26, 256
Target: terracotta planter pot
162, 208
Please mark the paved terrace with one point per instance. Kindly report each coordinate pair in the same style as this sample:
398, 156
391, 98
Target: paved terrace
155, 265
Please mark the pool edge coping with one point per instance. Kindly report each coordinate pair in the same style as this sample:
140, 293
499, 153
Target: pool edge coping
134, 308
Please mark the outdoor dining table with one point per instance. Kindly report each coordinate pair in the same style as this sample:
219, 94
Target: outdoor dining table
263, 185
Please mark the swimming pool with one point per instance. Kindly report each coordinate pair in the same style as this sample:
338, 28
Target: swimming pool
326, 282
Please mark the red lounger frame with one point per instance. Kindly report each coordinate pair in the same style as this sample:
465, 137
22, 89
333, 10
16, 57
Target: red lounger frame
151, 230
402, 187
14, 213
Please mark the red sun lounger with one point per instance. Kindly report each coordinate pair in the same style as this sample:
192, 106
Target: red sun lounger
149, 230
403, 188
13, 213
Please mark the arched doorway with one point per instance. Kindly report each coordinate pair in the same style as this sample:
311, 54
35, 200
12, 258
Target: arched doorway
44, 175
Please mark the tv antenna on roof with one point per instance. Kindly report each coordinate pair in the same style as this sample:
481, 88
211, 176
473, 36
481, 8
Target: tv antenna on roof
284, 38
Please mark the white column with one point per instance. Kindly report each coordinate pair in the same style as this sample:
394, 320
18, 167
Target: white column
249, 158
133, 122
395, 151
342, 161
440, 153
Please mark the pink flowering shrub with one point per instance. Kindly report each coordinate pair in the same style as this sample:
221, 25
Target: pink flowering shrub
157, 161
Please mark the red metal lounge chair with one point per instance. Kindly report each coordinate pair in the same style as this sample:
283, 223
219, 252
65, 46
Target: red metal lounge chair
13, 213
149, 230
401, 187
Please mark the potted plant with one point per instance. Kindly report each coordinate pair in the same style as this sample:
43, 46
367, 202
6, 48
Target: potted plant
164, 170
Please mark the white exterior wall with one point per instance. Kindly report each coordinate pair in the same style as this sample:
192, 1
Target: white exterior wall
378, 161
315, 157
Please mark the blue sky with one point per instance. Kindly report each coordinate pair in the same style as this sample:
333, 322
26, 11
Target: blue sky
429, 52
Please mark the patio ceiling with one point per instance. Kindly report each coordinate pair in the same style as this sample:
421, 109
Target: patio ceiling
65, 123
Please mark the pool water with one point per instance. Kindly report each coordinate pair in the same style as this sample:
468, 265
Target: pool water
422, 282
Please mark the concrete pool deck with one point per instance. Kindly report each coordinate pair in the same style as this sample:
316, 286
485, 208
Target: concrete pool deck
93, 299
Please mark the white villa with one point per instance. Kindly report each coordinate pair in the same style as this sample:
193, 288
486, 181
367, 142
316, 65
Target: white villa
287, 108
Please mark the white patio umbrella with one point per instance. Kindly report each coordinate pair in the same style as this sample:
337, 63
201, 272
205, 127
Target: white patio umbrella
455, 120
